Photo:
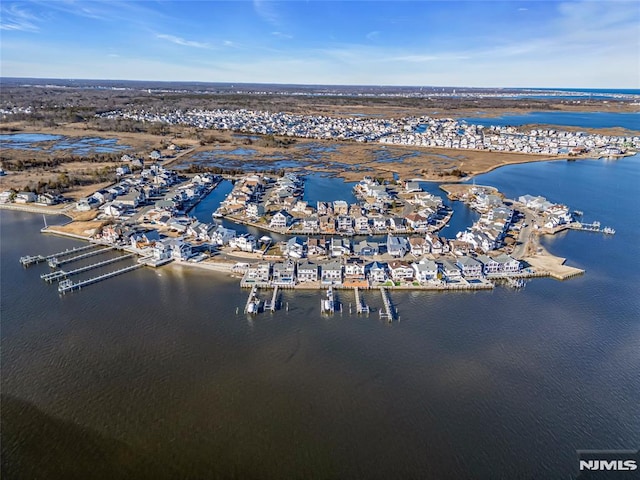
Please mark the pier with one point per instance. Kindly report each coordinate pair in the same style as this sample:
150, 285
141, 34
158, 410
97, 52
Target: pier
327, 305
55, 262
67, 285
58, 274
31, 259
273, 304
361, 307
252, 302
389, 312
593, 227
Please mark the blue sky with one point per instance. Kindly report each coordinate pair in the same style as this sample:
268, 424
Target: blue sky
583, 44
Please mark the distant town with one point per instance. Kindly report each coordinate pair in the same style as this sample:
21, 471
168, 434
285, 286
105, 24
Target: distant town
421, 131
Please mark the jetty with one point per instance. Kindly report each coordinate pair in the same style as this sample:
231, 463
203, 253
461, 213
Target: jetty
58, 274
56, 262
67, 285
361, 307
32, 259
389, 312
273, 304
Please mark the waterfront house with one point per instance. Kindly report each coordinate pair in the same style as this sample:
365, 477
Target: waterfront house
425, 270
397, 246
435, 244
469, 266
284, 273
161, 251
316, 247
411, 187
311, 223
418, 246
354, 268
281, 219
331, 273
459, 247
345, 224
5, 196
379, 223
144, 239
361, 224
489, 265
295, 247
377, 272
401, 271
48, 198
398, 224
508, 264
449, 270
340, 246
340, 207
180, 249
260, 273
245, 242
25, 197
327, 224
417, 222
222, 235
307, 272
255, 210
366, 249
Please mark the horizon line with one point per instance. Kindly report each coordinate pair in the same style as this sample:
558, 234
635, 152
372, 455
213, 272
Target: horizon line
60, 79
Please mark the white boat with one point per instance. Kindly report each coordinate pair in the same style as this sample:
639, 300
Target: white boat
327, 305
254, 307
608, 231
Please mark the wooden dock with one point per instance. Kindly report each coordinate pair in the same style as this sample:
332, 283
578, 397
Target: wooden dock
273, 304
55, 262
389, 312
58, 274
32, 259
67, 285
251, 300
361, 307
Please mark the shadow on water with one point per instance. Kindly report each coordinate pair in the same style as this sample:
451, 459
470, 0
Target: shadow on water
38, 445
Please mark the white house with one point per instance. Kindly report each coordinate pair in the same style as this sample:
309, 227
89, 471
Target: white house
307, 272
331, 273
425, 270
281, 219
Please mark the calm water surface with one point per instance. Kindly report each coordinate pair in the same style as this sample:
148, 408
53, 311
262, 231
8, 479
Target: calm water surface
154, 375
573, 119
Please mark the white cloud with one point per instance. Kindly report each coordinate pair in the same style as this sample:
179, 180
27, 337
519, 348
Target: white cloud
267, 11
13, 17
181, 41
284, 36
372, 35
